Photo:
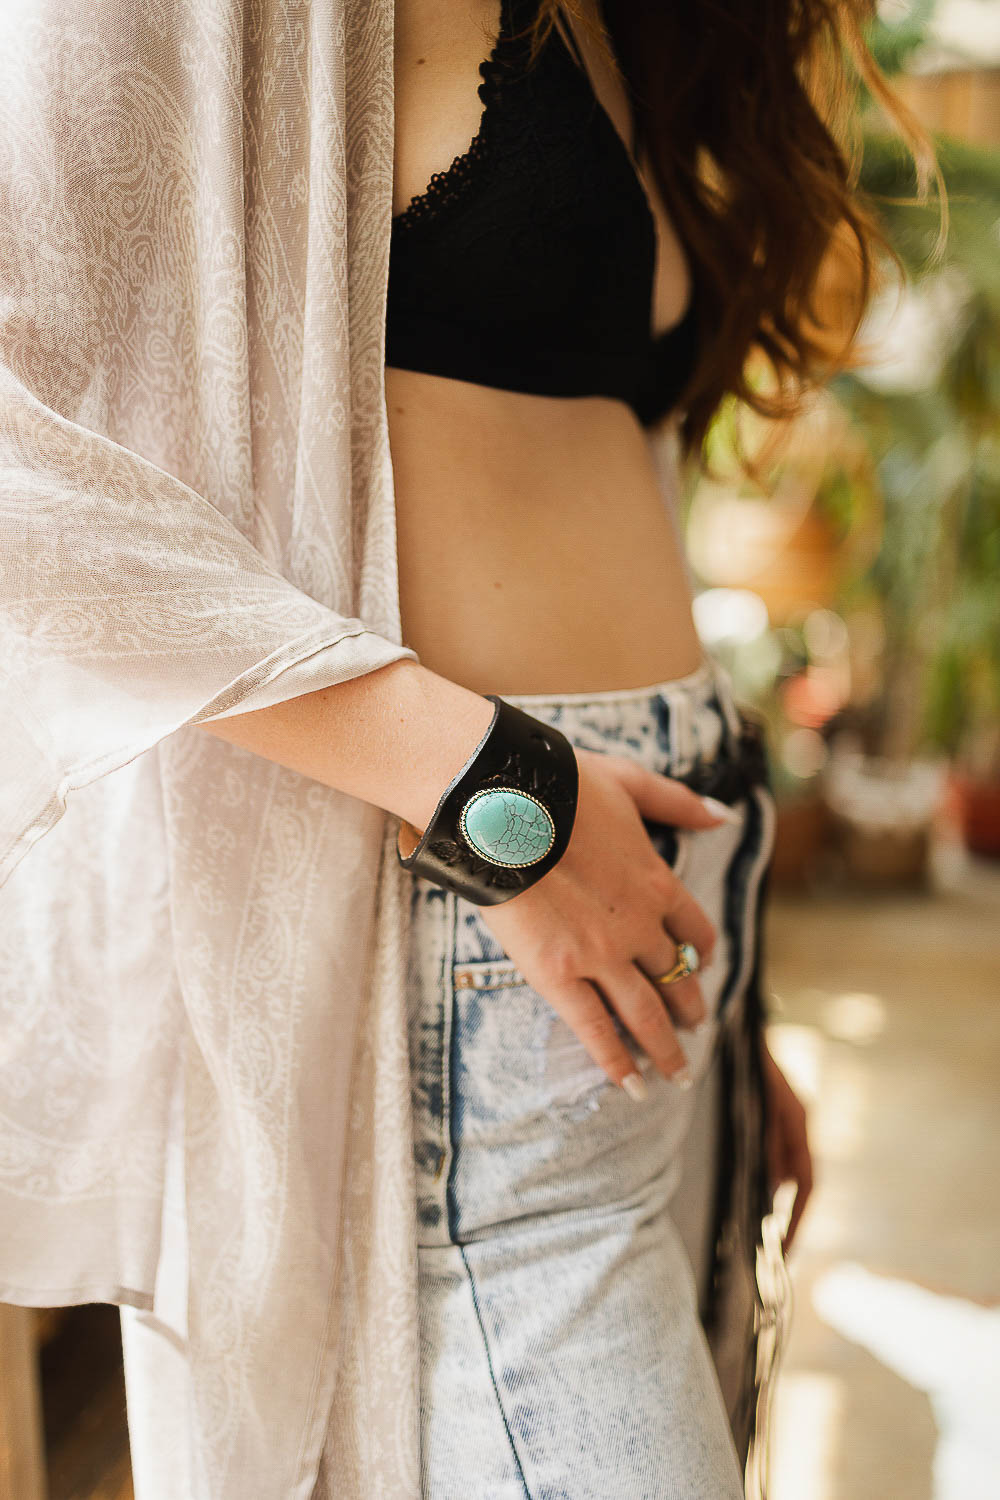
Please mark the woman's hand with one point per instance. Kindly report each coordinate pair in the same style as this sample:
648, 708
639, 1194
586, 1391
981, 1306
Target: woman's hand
787, 1143
610, 914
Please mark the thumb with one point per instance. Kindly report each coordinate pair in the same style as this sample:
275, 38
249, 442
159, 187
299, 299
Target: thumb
661, 799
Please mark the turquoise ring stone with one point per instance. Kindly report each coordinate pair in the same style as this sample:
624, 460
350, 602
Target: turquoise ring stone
687, 962
689, 954
508, 827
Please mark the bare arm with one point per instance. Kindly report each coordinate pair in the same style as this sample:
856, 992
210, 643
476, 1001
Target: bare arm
394, 737
603, 919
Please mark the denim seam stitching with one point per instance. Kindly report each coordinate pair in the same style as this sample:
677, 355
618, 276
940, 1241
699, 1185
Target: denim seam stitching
447, 994
493, 1379
451, 1206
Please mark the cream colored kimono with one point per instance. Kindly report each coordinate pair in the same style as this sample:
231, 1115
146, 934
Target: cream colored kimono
204, 1080
198, 1007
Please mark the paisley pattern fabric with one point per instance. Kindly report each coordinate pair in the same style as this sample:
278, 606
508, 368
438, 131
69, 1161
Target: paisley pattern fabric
196, 518
204, 1079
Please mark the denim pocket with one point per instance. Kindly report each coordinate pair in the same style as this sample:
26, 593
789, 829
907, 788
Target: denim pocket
514, 1058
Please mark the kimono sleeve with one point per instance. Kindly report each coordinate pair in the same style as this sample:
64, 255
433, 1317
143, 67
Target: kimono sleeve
154, 467
128, 607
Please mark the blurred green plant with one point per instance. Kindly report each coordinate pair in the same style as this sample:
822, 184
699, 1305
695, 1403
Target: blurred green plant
894, 43
934, 436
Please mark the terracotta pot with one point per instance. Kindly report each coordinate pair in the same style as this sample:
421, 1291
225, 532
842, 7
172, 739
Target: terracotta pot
977, 805
800, 838
886, 857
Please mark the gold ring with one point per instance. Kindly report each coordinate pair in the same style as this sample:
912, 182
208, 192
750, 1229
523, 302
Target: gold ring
687, 962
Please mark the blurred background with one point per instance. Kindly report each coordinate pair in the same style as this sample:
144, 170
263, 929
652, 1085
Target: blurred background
855, 598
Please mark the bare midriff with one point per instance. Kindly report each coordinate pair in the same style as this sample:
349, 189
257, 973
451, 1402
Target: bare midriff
537, 548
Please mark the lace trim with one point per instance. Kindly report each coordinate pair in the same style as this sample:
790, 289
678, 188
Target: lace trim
447, 187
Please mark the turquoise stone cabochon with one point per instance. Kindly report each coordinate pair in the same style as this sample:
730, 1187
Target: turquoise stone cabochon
507, 827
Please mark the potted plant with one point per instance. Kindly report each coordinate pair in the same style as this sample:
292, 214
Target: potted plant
963, 713
930, 416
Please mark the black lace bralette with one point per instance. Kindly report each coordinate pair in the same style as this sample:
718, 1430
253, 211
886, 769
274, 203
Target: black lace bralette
528, 265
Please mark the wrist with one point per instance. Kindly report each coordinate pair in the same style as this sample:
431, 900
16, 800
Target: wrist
459, 720
505, 817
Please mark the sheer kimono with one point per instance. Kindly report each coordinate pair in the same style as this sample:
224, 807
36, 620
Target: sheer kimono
204, 1081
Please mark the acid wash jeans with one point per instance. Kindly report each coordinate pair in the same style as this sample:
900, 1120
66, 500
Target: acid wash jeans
566, 1233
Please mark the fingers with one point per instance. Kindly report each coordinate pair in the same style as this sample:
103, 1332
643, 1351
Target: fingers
686, 920
682, 997
639, 1003
580, 1006
799, 1169
661, 799
682, 917
788, 1155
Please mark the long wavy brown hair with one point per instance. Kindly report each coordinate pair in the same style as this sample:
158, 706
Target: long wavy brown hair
749, 109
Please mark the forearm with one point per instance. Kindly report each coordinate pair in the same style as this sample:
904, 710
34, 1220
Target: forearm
395, 736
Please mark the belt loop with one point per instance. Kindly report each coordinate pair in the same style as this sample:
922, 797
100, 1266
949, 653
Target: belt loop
680, 733
727, 703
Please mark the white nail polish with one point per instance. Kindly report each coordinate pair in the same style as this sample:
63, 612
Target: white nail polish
683, 1078
635, 1086
720, 810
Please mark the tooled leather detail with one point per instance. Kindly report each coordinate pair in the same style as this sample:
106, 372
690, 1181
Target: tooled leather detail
519, 752
545, 781
549, 783
455, 855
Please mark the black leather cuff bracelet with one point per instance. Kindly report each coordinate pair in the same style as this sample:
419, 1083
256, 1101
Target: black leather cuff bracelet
506, 818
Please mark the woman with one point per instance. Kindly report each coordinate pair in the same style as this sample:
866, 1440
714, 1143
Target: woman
539, 562
264, 1299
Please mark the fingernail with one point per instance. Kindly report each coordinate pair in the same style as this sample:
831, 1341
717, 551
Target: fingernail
683, 1078
635, 1086
720, 810
703, 1025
